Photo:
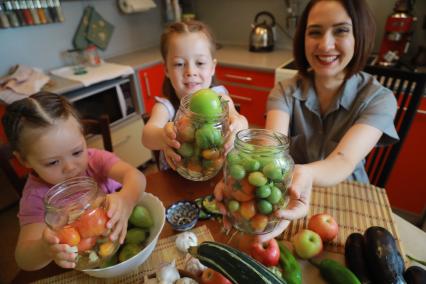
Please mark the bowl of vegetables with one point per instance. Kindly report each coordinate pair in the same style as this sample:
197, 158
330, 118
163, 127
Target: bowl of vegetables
145, 225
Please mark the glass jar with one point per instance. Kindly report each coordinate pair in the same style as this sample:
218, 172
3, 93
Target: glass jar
75, 209
257, 174
202, 139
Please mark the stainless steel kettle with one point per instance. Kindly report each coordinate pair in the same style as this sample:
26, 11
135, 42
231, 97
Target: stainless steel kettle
262, 35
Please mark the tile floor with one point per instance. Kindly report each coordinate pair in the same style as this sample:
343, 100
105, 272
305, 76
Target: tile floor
10, 227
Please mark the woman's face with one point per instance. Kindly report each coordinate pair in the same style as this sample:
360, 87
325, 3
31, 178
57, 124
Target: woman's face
189, 63
58, 152
329, 39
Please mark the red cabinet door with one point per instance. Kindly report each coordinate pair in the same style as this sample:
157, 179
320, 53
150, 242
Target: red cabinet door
151, 82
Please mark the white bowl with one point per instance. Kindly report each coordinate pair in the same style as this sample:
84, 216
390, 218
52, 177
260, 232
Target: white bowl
157, 210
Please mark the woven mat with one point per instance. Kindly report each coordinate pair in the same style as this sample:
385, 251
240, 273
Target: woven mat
355, 206
165, 251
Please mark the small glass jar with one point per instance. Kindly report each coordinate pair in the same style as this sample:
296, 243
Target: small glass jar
257, 174
202, 139
75, 209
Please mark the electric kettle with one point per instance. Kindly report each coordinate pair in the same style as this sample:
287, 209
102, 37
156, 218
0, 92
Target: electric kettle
262, 34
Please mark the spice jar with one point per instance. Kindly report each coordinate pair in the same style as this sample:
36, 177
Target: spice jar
75, 209
257, 173
202, 139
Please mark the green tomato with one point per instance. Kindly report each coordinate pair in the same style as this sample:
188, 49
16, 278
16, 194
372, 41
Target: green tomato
233, 206
233, 158
273, 172
237, 172
263, 191
264, 207
275, 196
206, 102
257, 179
251, 164
186, 150
208, 137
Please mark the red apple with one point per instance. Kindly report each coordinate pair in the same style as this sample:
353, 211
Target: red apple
267, 253
211, 276
324, 225
307, 244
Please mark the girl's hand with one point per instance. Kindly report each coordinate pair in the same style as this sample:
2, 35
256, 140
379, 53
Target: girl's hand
119, 210
236, 123
300, 195
169, 136
61, 254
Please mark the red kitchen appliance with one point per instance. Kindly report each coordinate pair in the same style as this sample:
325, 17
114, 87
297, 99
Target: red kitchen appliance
398, 31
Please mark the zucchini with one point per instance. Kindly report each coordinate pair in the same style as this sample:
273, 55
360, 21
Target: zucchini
383, 258
233, 264
355, 257
335, 273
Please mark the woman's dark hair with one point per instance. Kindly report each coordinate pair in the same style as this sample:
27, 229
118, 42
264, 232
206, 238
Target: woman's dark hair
364, 28
181, 28
37, 111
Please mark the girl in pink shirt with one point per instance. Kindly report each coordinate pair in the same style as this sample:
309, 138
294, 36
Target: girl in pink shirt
46, 136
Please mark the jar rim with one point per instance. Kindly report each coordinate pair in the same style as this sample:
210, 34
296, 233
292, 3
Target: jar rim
276, 141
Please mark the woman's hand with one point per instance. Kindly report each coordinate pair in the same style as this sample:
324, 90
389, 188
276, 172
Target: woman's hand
170, 142
62, 254
300, 195
119, 210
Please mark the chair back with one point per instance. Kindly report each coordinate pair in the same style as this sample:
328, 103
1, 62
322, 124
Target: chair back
101, 127
408, 88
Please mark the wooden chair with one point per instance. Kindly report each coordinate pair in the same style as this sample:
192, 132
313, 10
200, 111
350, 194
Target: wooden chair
155, 153
408, 88
7, 159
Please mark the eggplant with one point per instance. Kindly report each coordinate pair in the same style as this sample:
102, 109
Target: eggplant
415, 275
355, 257
384, 261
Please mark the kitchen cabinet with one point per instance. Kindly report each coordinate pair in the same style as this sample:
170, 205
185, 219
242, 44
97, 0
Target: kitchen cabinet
249, 89
406, 184
151, 84
126, 141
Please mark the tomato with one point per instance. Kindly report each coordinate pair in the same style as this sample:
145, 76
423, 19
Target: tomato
259, 223
264, 206
106, 249
211, 276
257, 179
68, 235
239, 190
273, 172
237, 171
233, 206
251, 164
185, 130
194, 165
275, 196
206, 102
92, 223
86, 244
247, 209
210, 154
186, 150
208, 136
263, 191
233, 158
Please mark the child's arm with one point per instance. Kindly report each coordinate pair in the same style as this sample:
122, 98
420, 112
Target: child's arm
120, 204
37, 246
237, 122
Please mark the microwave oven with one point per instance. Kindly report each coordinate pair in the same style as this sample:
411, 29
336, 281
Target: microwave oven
113, 97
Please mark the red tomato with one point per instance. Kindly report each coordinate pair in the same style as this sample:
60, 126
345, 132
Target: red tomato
267, 253
240, 190
68, 235
211, 276
185, 130
92, 223
248, 209
259, 222
86, 244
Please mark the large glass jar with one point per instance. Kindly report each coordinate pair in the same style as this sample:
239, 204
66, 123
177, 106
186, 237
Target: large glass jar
257, 174
75, 209
202, 139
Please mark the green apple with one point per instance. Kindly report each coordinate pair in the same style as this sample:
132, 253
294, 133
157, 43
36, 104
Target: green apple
141, 217
206, 102
307, 244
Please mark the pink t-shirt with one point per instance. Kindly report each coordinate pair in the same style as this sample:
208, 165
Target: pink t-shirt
31, 208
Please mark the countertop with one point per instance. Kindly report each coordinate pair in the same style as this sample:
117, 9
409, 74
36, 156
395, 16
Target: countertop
233, 56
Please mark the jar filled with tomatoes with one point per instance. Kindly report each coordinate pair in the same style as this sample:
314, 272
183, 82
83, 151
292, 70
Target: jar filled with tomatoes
257, 174
201, 125
75, 209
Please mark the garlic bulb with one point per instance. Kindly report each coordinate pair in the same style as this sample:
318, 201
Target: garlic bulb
167, 274
193, 265
186, 240
186, 280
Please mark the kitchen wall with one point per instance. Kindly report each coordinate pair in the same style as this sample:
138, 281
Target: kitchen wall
41, 46
230, 20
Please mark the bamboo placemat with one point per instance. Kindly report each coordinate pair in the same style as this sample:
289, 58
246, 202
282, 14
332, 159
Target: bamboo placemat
165, 251
355, 207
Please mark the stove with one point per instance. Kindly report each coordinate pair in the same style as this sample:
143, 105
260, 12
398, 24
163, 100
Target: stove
285, 71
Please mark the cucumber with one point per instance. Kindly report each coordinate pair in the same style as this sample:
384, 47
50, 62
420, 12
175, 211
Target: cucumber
335, 273
238, 267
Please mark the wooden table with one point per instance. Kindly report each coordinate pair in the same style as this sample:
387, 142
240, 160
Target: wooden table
170, 187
